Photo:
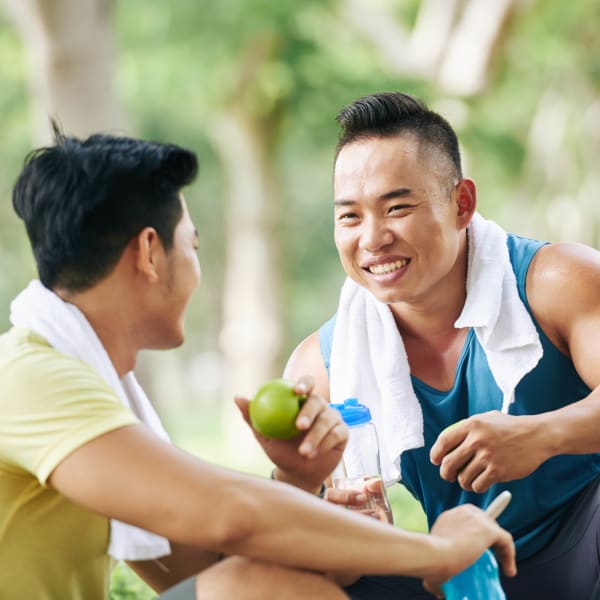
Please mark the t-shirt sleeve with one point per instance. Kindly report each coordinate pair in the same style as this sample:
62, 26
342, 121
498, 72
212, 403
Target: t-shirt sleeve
54, 404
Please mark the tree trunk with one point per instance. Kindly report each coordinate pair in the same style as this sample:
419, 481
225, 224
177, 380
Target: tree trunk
468, 55
71, 64
452, 41
252, 315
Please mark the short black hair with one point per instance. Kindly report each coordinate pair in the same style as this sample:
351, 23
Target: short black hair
388, 114
82, 201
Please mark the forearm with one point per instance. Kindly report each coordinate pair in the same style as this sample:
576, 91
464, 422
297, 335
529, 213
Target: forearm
280, 474
198, 504
272, 521
574, 429
283, 525
275, 522
166, 571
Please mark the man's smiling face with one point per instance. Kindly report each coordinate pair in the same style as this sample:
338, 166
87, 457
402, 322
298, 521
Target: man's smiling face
396, 226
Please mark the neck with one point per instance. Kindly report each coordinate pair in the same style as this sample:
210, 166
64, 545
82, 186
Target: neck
108, 318
433, 316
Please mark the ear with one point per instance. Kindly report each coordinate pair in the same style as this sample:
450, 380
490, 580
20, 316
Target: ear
149, 254
465, 197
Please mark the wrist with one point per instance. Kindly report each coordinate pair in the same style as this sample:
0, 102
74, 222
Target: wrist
547, 434
278, 474
441, 558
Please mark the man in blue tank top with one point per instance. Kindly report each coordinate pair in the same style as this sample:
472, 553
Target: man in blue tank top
403, 213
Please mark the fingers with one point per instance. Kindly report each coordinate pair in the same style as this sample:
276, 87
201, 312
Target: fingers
433, 587
324, 427
459, 460
504, 549
447, 441
480, 482
242, 403
345, 497
304, 385
375, 486
454, 463
473, 477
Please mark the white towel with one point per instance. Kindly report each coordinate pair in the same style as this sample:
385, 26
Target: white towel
65, 328
369, 362
493, 308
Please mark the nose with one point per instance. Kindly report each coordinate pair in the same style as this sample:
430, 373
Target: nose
375, 234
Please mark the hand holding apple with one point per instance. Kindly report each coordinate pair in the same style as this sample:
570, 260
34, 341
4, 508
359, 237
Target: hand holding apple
306, 458
274, 409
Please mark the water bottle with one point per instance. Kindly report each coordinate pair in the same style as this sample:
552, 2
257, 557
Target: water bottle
360, 468
480, 581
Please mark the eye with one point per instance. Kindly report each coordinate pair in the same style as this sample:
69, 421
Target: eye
346, 216
399, 208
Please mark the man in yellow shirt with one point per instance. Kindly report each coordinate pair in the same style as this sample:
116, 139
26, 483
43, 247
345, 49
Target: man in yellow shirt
86, 470
51, 405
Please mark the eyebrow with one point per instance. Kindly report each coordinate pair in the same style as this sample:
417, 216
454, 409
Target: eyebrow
397, 193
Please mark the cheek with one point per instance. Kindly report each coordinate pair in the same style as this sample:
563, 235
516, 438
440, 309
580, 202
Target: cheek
199, 279
197, 270
343, 255
343, 242
190, 277
195, 276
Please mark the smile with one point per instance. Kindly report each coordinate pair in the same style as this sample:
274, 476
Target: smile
385, 268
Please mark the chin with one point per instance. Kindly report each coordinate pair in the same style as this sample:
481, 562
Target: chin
177, 340
389, 297
168, 341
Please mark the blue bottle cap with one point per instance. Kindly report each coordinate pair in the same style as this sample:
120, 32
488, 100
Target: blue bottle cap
353, 413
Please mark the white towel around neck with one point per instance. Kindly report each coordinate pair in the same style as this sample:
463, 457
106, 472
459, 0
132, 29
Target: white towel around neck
65, 328
368, 359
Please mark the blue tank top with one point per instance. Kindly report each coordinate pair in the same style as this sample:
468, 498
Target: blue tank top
541, 500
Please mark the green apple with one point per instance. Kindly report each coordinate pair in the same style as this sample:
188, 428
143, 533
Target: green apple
274, 409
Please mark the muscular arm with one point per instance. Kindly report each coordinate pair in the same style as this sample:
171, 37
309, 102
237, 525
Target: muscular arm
198, 504
564, 293
563, 290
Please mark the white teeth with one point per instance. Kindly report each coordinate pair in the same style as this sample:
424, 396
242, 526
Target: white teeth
383, 269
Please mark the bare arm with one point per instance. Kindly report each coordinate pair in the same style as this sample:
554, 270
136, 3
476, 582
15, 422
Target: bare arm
183, 562
307, 358
570, 311
195, 503
563, 288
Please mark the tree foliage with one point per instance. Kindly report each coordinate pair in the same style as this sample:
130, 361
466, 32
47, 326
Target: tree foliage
530, 135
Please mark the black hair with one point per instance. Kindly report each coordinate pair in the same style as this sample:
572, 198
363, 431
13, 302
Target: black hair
394, 113
82, 202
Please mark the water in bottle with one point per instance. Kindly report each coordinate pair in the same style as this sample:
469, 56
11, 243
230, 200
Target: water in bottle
360, 468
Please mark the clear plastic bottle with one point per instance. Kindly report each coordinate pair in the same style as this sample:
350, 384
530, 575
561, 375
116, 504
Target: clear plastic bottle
360, 468
480, 581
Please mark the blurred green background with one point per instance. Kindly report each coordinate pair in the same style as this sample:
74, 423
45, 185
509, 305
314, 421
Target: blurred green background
253, 86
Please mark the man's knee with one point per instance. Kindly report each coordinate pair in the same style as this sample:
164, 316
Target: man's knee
245, 579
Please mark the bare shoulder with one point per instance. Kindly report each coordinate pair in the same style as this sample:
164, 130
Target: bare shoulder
563, 286
306, 359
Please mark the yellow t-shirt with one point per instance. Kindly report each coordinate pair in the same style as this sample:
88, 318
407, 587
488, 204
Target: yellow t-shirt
50, 404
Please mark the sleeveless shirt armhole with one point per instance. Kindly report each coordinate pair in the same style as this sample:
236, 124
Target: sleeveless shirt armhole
326, 340
521, 251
